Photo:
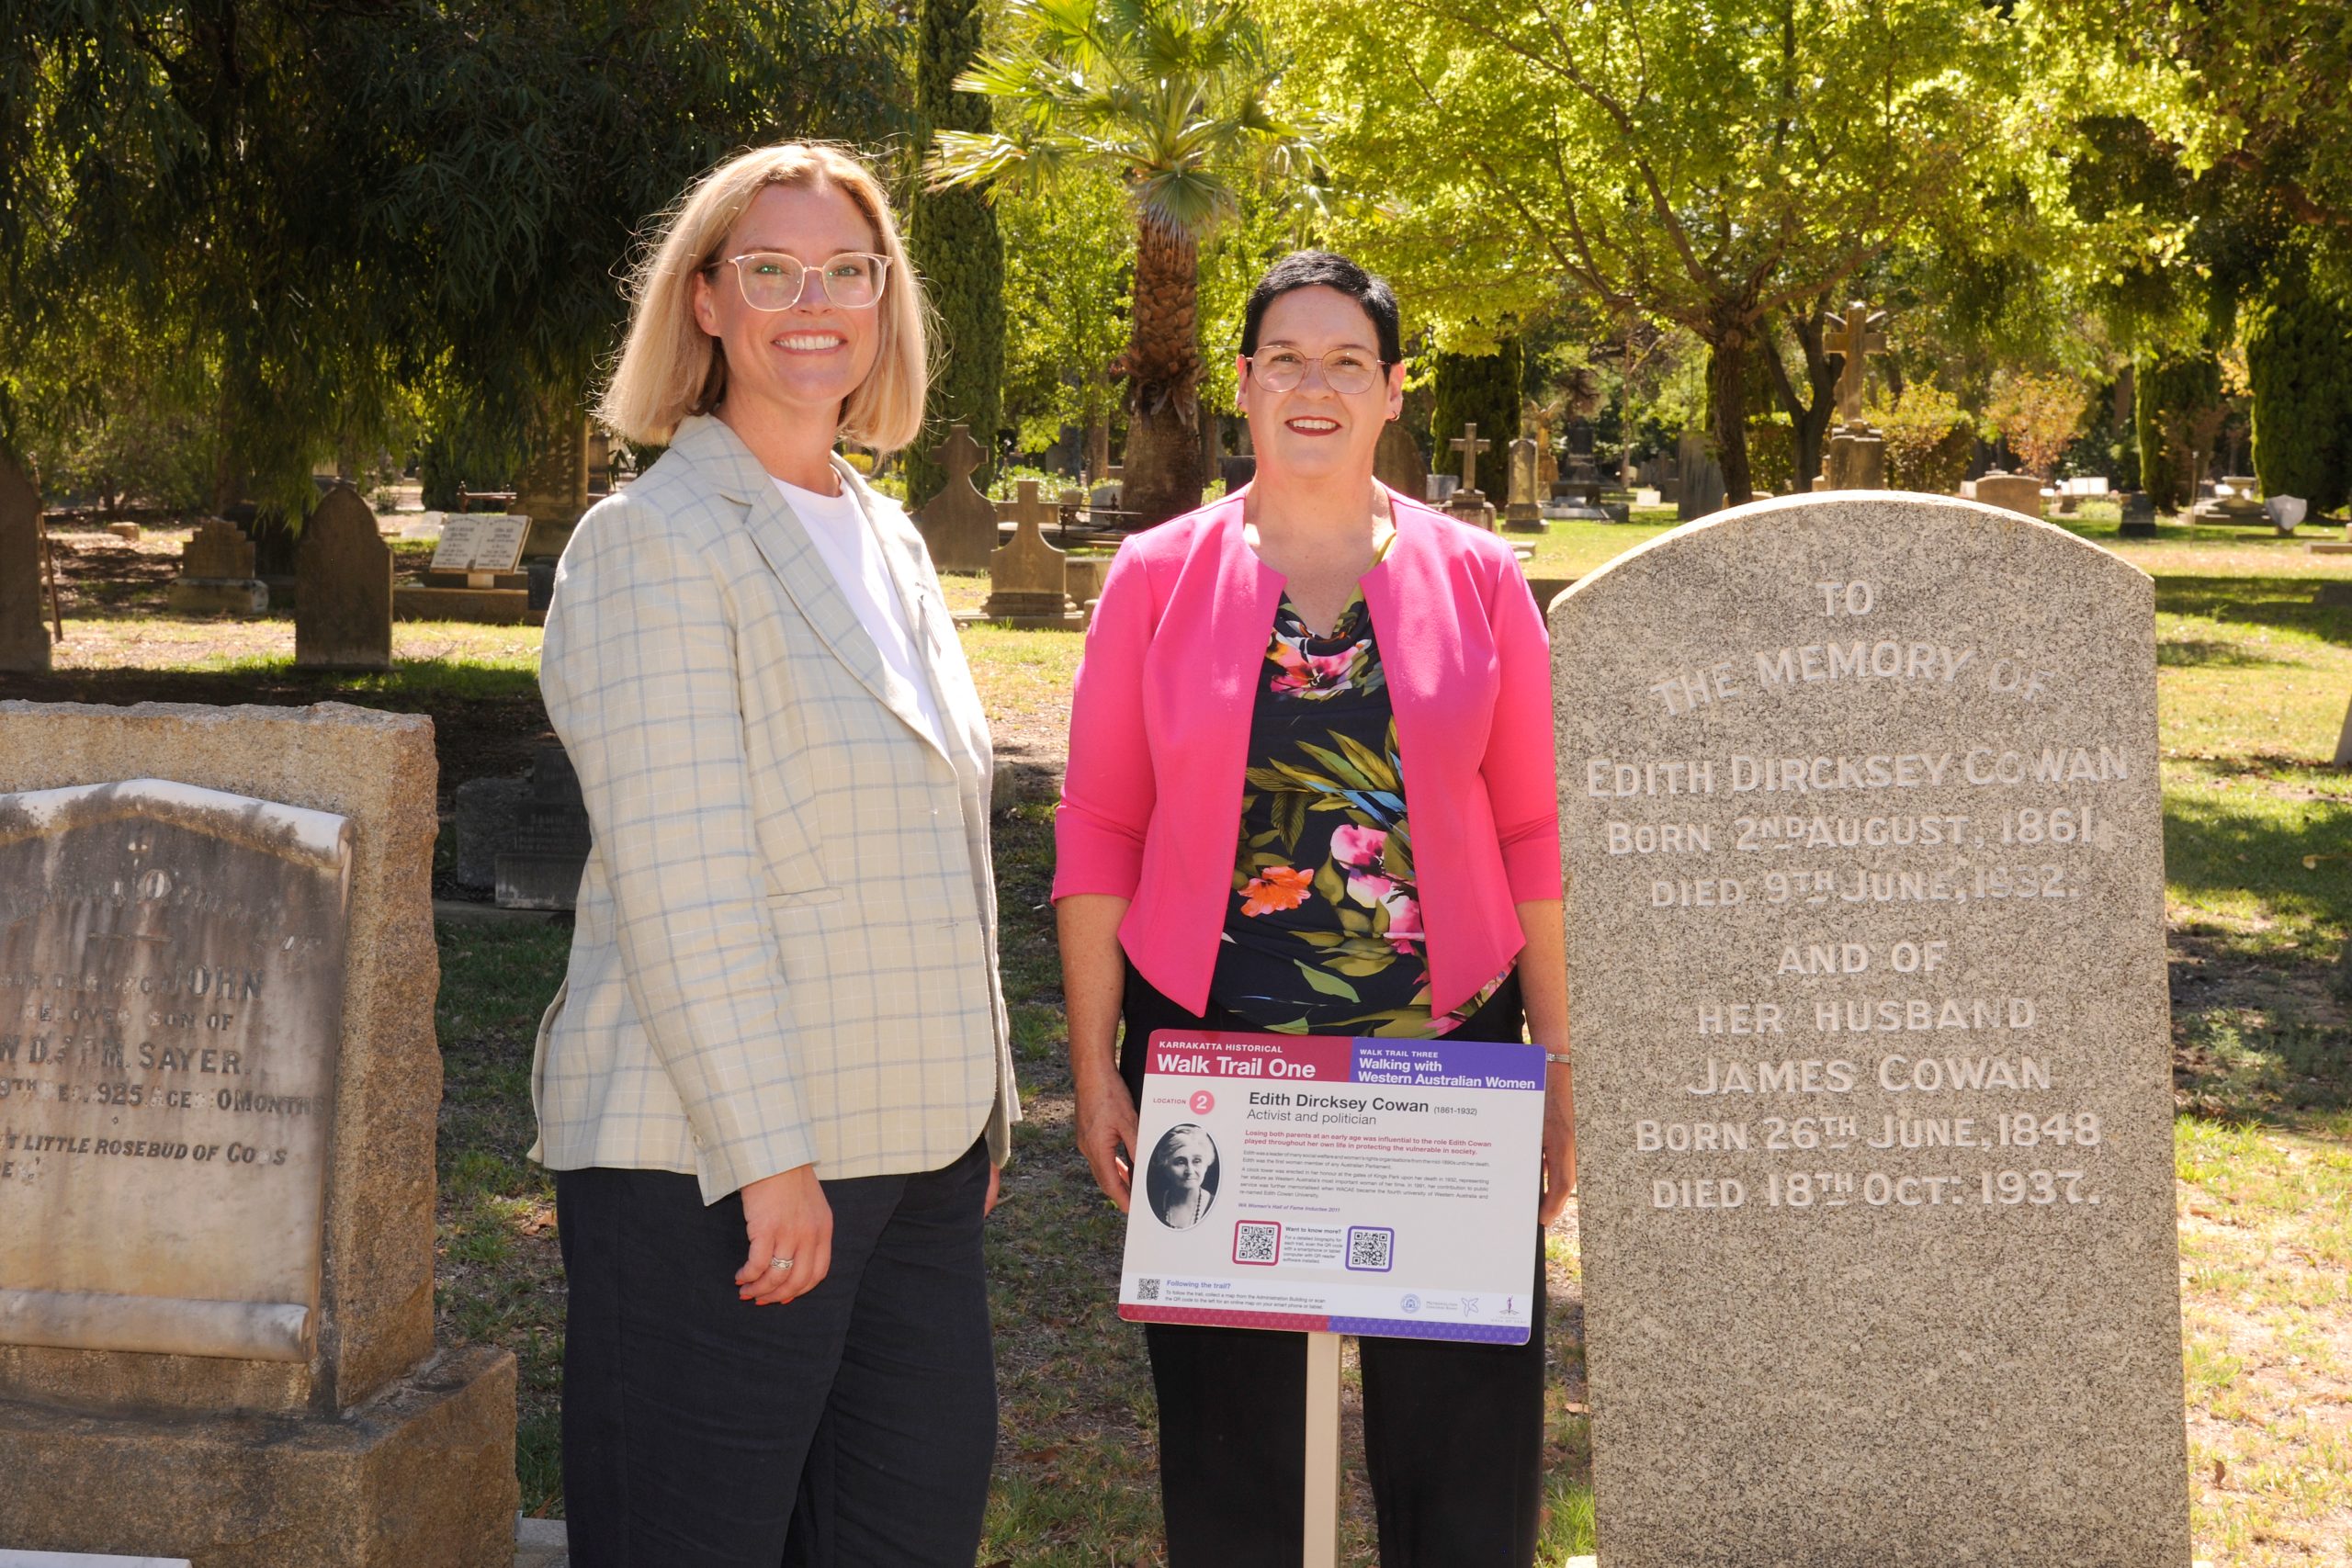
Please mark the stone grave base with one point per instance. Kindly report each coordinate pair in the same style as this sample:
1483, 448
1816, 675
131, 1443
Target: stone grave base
1532, 523
1032, 612
422, 1473
130, 531
218, 596
432, 578
539, 882
490, 606
2330, 548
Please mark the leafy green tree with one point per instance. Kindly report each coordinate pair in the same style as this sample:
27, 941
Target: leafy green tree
1067, 259
952, 237
2299, 358
1484, 390
2178, 415
326, 205
1705, 164
1172, 98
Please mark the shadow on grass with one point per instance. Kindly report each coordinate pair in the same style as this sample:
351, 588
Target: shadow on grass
2280, 603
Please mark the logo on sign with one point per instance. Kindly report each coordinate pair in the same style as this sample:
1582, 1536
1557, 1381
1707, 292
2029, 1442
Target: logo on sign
1202, 1102
1412, 1303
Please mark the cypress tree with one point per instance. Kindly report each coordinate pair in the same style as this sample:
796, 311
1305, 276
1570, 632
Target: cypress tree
1481, 389
2299, 357
952, 235
2171, 391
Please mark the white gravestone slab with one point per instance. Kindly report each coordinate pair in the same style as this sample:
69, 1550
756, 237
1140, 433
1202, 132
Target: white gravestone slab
171, 995
481, 542
1860, 814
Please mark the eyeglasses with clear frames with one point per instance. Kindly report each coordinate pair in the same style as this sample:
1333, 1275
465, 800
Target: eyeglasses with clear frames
773, 281
1346, 371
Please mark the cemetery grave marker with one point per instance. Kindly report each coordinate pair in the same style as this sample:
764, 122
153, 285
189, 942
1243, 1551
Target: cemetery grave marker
1859, 811
1520, 512
216, 979
2020, 493
1698, 488
1857, 455
958, 525
24, 641
1028, 579
1468, 504
482, 546
548, 839
216, 573
343, 598
1397, 461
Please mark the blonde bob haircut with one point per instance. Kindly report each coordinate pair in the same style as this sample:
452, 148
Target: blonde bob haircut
670, 367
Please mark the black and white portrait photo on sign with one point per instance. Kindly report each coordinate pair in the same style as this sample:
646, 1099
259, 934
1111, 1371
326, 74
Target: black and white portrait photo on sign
1182, 1183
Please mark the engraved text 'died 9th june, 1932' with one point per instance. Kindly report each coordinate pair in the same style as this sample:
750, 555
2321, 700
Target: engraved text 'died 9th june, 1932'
171, 995
1866, 983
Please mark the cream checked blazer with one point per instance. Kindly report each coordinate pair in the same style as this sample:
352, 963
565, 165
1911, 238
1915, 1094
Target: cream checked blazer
785, 947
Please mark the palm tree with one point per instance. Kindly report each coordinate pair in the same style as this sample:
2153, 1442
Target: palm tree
1171, 98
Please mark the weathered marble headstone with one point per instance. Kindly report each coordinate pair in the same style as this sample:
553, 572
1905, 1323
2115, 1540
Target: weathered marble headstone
24, 630
958, 525
1028, 579
1860, 812
216, 573
343, 597
219, 1086
1522, 514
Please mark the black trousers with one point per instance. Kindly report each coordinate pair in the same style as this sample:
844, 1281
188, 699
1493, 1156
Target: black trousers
852, 1426
1454, 1434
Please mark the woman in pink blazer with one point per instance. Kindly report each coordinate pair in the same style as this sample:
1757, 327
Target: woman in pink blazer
1311, 790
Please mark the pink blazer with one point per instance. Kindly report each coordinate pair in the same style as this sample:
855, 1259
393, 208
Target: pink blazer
1159, 730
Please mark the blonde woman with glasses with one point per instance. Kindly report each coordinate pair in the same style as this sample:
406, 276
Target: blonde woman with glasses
775, 1088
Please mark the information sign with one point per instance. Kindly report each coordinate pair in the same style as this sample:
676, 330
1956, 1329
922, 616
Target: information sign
1346, 1186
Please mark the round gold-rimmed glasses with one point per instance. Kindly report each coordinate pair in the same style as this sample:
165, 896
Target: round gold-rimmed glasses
773, 281
1346, 371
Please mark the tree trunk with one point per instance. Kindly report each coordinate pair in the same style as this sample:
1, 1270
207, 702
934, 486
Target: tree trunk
1809, 421
1727, 407
1161, 478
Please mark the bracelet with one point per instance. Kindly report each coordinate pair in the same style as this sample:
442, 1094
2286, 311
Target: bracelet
1560, 1057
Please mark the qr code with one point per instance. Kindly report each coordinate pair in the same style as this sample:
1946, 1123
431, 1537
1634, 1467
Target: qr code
1257, 1241
1147, 1290
1368, 1247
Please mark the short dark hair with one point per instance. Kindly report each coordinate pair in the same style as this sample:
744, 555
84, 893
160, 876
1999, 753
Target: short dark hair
1327, 269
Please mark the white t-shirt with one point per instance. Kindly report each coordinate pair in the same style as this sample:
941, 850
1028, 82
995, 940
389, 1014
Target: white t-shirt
836, 523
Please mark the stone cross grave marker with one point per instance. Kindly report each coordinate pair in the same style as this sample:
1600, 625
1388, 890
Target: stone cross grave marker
1469, 445
958, 525
343, 596
217, 1147
1028, 579
1855, 338
1859, 806
24, 640
216, 573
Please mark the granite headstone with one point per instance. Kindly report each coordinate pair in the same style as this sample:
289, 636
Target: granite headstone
1859, 813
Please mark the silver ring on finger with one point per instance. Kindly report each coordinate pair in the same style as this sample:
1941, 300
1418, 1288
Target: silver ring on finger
783, 1263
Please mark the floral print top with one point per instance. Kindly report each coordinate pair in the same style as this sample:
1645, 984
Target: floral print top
1323, 933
